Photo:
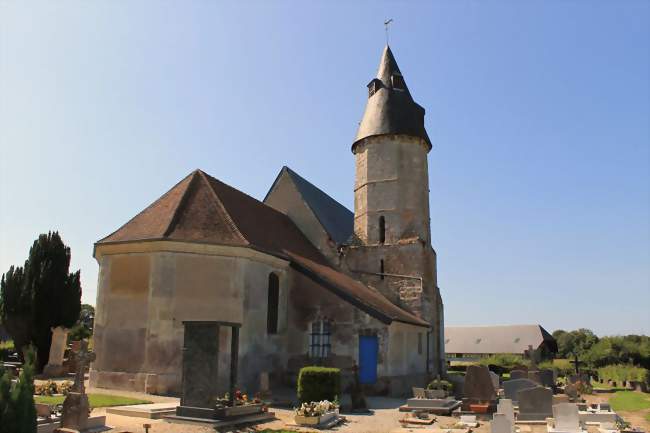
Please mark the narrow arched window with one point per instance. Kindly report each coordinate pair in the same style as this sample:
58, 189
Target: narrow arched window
272, 306
381, 269
382, 229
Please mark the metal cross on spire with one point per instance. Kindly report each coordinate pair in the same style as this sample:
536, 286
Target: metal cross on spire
386, 24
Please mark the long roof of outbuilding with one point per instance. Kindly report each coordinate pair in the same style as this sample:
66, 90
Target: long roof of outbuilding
203, 209
494, 339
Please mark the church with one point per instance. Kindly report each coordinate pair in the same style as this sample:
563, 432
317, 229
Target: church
310, 282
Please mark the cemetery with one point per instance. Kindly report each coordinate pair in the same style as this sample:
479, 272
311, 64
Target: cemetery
281, 309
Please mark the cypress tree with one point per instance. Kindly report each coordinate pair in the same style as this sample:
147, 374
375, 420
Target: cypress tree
16, 307
56, 292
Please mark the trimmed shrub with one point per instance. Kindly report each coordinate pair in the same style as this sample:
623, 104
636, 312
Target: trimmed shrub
319, 383
624, 373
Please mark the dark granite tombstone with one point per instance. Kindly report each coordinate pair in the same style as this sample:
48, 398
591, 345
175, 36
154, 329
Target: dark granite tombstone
200, 368
547, 377
478, 384
511, 388
535, 376
535, 404
479, 393
518, 374
200, 364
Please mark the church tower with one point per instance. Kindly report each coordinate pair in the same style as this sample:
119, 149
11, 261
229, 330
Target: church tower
392, 237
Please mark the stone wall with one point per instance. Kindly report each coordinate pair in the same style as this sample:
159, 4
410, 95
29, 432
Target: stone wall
285, 198
146, 291
391, 181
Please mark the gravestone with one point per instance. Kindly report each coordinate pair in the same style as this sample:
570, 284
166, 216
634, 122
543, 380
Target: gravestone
75, 406
54, 366
501, 424
458, 383
506, 408
200, 367
536, 377
547, 378
571, 390
495, 380
518, 374
478, 384
535, 404
511, 388
560, 398
567, 419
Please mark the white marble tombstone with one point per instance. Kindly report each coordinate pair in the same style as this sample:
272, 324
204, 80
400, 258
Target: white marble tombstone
501, 424
505, 407
54, 365
567, 418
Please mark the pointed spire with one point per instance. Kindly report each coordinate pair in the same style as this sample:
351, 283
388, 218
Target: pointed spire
390, 108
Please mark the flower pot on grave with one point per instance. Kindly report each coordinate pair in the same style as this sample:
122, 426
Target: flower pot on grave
315, 420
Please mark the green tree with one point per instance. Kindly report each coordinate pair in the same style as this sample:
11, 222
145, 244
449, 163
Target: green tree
575, 342
42, 296
56, 291
17, 410
16, 307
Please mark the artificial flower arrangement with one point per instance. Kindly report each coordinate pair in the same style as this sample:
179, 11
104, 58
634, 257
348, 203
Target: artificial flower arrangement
316, 412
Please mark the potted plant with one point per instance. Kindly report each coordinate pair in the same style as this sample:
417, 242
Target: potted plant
316, 412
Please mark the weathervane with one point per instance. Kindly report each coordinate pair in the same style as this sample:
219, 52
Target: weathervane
386, 24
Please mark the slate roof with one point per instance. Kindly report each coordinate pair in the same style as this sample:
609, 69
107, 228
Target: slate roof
335, 218
391, 111
495, 339
203, 209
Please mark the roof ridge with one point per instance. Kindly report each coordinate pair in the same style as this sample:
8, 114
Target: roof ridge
181, 204
152, 204
228, 217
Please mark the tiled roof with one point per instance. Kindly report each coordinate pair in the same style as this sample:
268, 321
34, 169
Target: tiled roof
494, 339
200, 208
355, 292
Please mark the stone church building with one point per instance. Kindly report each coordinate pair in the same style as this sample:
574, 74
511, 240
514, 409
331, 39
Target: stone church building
309, 281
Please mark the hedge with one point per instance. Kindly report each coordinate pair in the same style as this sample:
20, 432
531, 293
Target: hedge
319, 383
624, 373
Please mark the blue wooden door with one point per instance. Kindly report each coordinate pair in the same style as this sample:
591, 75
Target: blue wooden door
368, 348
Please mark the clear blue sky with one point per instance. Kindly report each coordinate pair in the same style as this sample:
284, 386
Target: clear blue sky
538, 112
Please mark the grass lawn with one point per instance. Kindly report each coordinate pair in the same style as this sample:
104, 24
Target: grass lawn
95, 400
630, 401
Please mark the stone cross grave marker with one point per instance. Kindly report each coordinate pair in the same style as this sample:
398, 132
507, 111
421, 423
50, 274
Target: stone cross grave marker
535, 404
82, 358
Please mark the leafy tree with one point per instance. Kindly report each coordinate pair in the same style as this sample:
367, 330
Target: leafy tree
16, 307
42, 296
574, 343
